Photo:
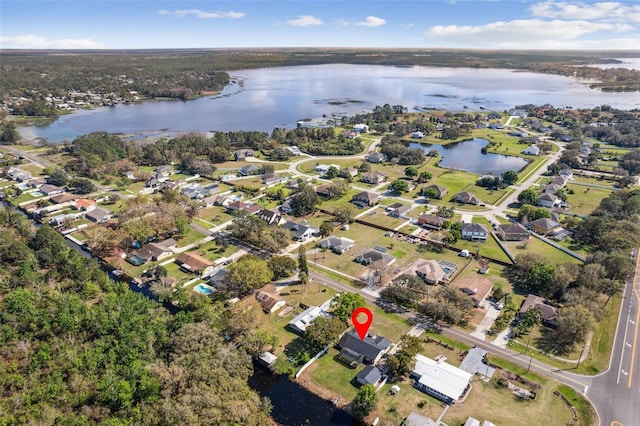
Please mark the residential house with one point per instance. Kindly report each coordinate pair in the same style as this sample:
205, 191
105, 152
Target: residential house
474, 232
267, 359
532, 150
51, 190
242, 154
476, 287
249, 169
365, 199
37, 182
440, 380
217, 278
430, 271
19, 175
512, 232
154, 251
63, 198
369, 375
398, 210
373, 178
349, 171
99, 215
193, 262
349, 134
548, 200
61, 219
337, 245
324, 190
368, 350
244, 206
269, 300
285, 207
361, 128
376, 257
195, 192
417, 135
552, 188
271, 217
377, 157
324, 168
210, 201
300, 231
442, 191
566, 172
415, 419
85, 205
545, 226
472, 422
164, 171
560, 180
300, 323
495, 126
466, 198
294, 150
548, 313
431, 221
294, 183
273, 179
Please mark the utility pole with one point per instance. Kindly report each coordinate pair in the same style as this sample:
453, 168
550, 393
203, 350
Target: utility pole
530, 354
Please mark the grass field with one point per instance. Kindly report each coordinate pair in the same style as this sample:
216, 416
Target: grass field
380, 217
534, 245
584, 200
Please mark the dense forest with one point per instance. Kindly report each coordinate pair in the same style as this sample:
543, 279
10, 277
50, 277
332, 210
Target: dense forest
188, 73
76, 348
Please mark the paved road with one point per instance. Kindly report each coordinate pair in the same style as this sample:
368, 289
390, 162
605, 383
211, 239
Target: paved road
616, 393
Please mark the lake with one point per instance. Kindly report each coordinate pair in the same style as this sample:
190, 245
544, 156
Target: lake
262, 99
467, 155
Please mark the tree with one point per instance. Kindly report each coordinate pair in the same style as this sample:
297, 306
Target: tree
430, 193
424, 177
574, 322
248, 273
365, 167
528, 196
304, 201
58, 178
323, 331
532, 213
411, 171
282, 266
81, 186
365, 401
302, 260
345, 213
344, 304
8, 133
326, 228
332, 172
399, 186
509, 177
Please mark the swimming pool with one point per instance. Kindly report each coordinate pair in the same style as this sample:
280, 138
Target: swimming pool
203, 288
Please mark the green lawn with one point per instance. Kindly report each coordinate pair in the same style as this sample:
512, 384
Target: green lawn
534, 245
584, 200
489, 248
381, 218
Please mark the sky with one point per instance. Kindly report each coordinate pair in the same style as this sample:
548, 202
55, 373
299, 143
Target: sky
476, 24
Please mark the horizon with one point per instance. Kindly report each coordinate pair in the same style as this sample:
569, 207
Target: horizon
493, 25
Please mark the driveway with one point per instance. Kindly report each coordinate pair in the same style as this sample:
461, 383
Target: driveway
488, 320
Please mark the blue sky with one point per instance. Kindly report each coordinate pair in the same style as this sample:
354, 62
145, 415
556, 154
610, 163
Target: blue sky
483, 24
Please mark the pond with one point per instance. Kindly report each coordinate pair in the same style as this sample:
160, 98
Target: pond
262, 99
468, 156
294, 405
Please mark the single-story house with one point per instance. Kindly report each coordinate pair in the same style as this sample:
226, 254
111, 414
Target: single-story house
552, 188
324, 168
164, 171
300, 231
37, 182
324, 190
51, 190
373, 178
544, 226
269, 300
474, 232
369, 350
440, 380
430, 221
155, 251
349, 171
271, 217
249, 169
285, 207
548, 313
272, 179
430, 271
471, 421
560, 180
61, 219
242, 205
63, 198
476, 287
300, 323
99, 215
566, 172
398, 209
466, 198
361, 128
365, 199
442, 191
512, 232
193, 262
85, 204
267, 359
337, 245
369, 375
548, 200
417, 135
415, 419
376, 257
217, 278
377, 157
242, 154
532, 150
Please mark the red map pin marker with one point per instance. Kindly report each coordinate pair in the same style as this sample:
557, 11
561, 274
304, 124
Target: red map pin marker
362, 327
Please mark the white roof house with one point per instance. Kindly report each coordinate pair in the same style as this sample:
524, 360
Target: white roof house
439, 379
303, 320
531, 150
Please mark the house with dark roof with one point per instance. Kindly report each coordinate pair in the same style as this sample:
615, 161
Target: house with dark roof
512, 232
474, 232
376, 257
548, 200
242, 205
154, 251
63, 198
442, 191
466, 198
273, 179
430, 221
476, 287
377, 157
242, 154
337, 245
369, 375
271, 217
164, 171
552, 188
544, 226
99, 215
365, 199
324, 190
398, 210
193, 262
269, 299
300, 231
548, 313
373, 178
368, 350
560, 180
249, 169
51, 190
430, 271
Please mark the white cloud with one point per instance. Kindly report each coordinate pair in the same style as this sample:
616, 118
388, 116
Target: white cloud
304, 21
30, 41
201, 14
372, 21
600, 11
528, 34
